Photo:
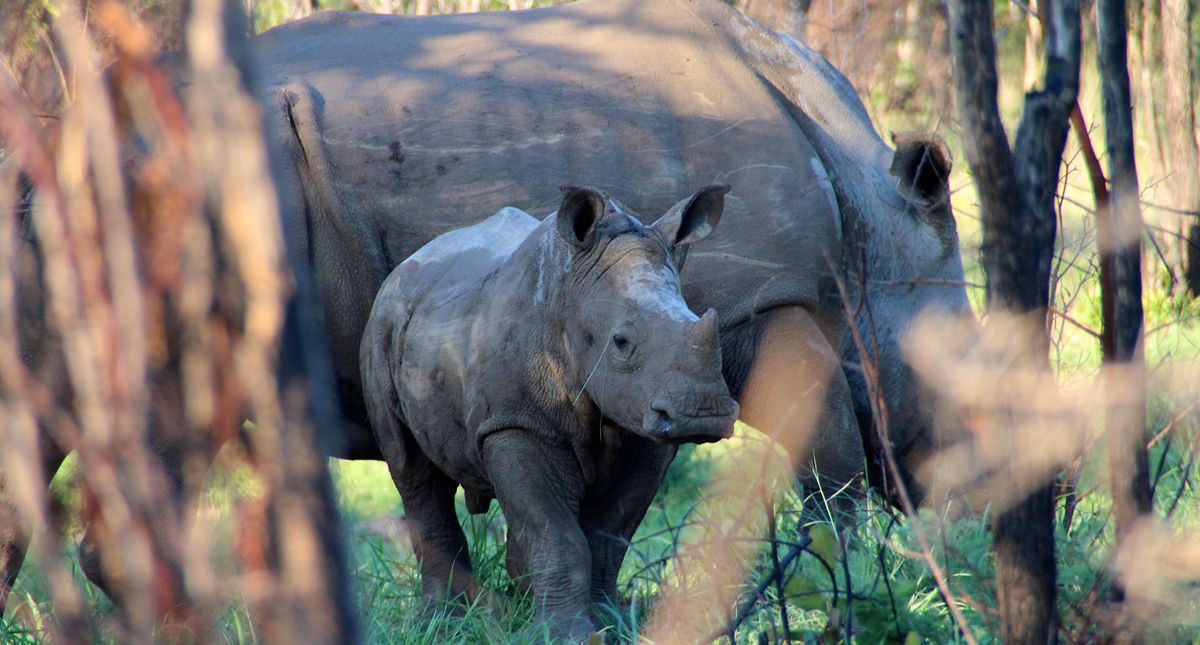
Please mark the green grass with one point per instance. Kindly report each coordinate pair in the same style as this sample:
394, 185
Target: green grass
858, 567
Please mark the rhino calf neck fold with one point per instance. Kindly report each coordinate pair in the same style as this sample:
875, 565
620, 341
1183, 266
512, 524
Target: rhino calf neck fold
554, 366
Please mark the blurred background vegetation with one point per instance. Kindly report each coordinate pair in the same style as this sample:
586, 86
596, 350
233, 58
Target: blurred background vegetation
863, 573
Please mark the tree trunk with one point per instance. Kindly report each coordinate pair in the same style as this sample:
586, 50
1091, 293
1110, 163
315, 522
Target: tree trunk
1016, 191
1120, 239
303, 556
1179, 115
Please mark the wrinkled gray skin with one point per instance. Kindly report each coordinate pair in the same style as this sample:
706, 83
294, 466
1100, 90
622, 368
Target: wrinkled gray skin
403, 128
395, 130
552, 365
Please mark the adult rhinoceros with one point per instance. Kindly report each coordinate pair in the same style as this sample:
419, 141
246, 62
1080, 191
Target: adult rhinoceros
400, 129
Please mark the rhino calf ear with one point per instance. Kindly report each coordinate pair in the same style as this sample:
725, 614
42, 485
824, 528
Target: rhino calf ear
694, 218
922, 164
578, 215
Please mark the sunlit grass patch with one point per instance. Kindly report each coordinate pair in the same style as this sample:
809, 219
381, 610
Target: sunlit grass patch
364, 489
856, 563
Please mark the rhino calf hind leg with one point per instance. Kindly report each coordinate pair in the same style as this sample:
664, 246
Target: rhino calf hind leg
790, 385
428, 496
439, 542
427, 493
437, 537
540, 489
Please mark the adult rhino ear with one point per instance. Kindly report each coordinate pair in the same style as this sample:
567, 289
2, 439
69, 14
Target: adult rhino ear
922, 163
692, 219
578, 215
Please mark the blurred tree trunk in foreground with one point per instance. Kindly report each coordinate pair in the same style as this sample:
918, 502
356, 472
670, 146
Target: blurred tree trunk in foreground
1016, 190
158, 250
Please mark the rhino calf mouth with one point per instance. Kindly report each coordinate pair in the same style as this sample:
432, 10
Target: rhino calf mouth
677, 428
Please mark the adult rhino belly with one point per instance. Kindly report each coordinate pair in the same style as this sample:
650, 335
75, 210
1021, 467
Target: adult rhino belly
433, 123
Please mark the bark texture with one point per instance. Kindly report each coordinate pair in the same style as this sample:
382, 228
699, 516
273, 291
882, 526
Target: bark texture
1120, 241
304, 555
1016, 190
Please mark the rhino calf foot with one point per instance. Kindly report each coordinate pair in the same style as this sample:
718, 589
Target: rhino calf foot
576, 629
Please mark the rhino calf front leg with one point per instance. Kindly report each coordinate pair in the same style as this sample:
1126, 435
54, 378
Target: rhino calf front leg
611, 517
540, 489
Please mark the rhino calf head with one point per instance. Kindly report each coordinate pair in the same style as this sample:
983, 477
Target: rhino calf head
652, 366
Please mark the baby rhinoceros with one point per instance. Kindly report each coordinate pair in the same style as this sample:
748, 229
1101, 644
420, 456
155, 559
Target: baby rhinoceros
553, 366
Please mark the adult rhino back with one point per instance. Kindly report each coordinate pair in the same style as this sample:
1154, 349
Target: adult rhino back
423, 125
404, 128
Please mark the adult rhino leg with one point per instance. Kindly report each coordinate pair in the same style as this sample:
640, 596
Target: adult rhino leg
789, 383
610, 518
332, 246
14, 532
540, 490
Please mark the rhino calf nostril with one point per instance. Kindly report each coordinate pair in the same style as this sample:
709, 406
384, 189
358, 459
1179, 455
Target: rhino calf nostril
658, 421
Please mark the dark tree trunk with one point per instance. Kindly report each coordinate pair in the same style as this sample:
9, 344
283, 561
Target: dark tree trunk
1016, 191
1120, 239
